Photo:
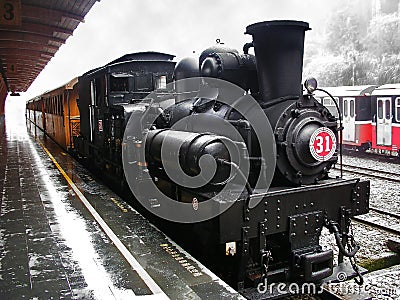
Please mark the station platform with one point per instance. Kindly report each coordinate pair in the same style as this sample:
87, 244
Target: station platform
53, 244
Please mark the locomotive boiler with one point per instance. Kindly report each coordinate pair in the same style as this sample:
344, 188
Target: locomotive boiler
239, 164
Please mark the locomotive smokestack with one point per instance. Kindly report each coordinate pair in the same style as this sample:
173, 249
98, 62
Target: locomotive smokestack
279, 48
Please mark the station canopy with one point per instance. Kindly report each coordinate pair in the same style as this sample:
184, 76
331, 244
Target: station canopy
31, 32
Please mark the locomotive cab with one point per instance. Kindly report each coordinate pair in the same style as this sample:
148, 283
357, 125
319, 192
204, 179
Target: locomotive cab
107, 96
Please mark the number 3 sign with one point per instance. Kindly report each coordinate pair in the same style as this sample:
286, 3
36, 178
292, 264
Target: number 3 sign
322, 144
10, 12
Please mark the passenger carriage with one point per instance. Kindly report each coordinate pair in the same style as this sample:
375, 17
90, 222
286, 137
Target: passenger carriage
385, 107
355, 105
56, 112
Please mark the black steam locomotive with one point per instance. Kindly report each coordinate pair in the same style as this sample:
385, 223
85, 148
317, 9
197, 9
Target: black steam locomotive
241, 159
229, 154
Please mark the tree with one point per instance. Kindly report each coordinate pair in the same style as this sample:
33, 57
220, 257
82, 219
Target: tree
383, 35
343, 32
355, 53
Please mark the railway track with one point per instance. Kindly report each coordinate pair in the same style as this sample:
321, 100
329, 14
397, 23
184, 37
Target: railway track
377, 218
375, 173
385, 212
380, 219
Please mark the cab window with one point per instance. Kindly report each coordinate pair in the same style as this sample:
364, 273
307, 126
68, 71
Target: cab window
119, 84
144, 82
161, 82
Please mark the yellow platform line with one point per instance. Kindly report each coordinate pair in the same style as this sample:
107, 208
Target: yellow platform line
152, 285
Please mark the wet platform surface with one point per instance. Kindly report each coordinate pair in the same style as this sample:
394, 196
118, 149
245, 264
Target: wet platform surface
51, 247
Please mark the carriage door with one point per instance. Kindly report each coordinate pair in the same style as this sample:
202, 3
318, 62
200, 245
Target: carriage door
349, 119
384, 121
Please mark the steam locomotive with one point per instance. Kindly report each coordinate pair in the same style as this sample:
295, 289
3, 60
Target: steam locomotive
228, 155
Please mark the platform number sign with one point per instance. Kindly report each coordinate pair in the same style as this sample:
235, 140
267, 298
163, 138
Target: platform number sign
322, 144
10, 12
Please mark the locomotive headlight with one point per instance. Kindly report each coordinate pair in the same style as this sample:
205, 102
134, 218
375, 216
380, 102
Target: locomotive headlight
310, 84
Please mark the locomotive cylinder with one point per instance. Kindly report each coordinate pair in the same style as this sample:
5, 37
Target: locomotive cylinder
165, 146
279, 48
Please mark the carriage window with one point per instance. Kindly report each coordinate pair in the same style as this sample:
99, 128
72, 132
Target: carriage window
329, 102
380, 109
119, 84
398, 109
352, 108
388, 110
330, 105
57, 105
61, 105
161, 82
345, 108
